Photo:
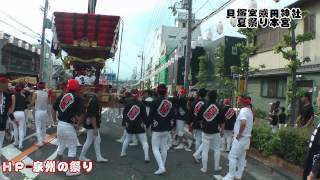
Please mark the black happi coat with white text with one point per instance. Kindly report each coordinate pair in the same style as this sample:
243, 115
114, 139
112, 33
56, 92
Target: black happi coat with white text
210, 117
134, 117
230, 116
193, 113
313, 152
161, 114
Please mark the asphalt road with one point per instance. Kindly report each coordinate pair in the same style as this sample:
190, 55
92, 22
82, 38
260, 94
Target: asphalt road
179, 162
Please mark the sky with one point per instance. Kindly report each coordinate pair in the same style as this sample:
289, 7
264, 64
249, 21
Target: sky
141, 19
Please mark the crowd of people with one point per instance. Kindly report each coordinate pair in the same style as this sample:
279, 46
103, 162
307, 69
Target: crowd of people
17, 102
278, 117
172, 119
29, 102
175, 122
86, 77
166, 117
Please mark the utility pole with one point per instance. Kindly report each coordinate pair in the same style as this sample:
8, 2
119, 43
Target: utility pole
142, 72
294, 73
42, 56
186, 5
188, 50
117, 81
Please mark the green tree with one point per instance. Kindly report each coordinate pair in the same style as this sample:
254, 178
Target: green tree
246, 49
288, 48
203, 74
225, 83
219, 58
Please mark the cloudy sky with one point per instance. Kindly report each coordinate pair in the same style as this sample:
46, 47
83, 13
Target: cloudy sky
141, 18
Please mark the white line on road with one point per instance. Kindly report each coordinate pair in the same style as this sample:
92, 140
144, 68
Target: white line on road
51, 157
10, 152
28, 171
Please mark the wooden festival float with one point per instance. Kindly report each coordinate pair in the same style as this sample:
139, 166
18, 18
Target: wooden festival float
88, 40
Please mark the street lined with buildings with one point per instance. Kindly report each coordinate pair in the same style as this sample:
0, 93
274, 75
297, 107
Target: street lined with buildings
222, 90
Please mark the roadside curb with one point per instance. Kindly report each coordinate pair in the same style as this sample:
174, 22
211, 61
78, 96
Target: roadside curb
277, 165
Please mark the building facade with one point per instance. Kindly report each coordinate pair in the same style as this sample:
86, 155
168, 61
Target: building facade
168, 40
231, 56
18, 58
270, 84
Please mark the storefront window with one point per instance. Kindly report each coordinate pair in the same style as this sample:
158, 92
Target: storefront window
274, 88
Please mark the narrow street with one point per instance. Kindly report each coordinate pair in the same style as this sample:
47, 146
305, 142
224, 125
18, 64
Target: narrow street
179, 164
247, 69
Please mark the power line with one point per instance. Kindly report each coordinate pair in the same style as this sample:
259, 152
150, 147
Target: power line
150, 23
21, 24
24, 33
207, 17
178, 35
154, 20
210, 4
202, 6
213, 13
156, 16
